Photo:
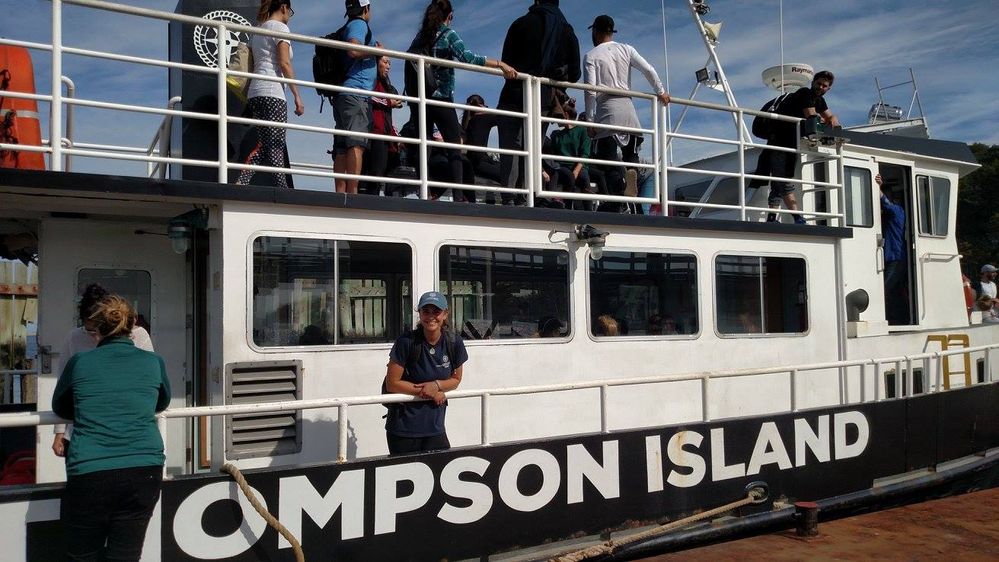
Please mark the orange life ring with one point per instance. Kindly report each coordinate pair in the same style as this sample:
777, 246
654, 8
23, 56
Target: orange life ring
19, 119
969, 293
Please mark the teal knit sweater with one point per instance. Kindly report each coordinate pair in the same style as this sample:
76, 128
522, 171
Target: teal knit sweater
112, 394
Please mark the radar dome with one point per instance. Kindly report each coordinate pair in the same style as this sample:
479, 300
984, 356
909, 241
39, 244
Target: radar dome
795, 75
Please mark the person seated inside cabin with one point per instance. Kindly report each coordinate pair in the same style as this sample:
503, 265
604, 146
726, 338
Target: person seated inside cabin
661, 326
549, 327
606, 326
314, 335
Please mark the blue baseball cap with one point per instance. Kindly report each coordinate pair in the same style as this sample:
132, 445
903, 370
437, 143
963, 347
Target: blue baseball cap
434, 298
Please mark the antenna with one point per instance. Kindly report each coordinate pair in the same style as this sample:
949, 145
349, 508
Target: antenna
882, 112
711, 75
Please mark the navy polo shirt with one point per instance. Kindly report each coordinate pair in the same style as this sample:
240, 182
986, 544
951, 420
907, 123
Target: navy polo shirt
423, 419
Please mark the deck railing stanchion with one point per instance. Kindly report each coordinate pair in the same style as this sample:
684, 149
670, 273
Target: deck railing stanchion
484, 415
909, 385
877, 380
603, 408
742, 167
863, 383
940, 371
794, 389
532, 183
421, 89
223, 103
665, 163
55, 108
161, 426
342, 427
705, 398
925, 376
898, 379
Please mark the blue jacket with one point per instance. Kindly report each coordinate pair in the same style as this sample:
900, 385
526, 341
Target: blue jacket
893, 227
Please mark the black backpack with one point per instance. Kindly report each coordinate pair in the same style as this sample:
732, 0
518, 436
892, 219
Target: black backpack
414, 355
763, 127
411, 85
329, 65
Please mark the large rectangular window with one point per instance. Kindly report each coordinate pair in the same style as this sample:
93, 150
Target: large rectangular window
761, 295
859, 204
329, 292
506, 292
643, 294
934, 205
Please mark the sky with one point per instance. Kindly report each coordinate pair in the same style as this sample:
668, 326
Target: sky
952, 47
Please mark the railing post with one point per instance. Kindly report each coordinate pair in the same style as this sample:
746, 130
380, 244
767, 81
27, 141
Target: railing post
484, 423
898, 379
705, 398
657, 157
666, 162
421, 111
342, 426
55, 108
603, 408
841, 179
988, 368
532, 139
863, 383
794, 389
940, 371
742, 167
926, 375
908, 377
877, 380
223, 103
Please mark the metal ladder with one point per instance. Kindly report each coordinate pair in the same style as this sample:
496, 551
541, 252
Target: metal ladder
950, 341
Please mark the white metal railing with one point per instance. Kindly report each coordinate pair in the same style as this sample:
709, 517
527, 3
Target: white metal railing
156, 160
484, 396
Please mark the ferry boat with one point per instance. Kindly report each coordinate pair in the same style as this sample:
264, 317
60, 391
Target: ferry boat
752, 361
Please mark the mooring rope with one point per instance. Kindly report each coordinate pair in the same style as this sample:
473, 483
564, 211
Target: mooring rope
271, 520
610, 546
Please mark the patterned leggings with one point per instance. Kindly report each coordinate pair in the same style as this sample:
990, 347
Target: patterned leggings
271, 140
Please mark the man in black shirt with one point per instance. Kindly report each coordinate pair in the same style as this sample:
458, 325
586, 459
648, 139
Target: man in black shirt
539, 43
805, 103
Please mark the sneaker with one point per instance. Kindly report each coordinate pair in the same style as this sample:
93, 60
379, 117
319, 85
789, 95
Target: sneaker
631, 183
798, 219
771, 217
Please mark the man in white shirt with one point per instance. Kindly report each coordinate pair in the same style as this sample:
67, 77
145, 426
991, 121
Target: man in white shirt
609, 65
987, 286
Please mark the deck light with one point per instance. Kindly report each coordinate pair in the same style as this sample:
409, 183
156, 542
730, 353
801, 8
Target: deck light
592, 237
181, 229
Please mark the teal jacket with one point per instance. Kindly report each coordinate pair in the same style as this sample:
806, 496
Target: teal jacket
112, 394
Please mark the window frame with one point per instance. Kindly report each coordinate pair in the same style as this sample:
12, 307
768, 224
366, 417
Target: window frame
931, 210
333, 237
570, 267
870, 197
647, 337
764, 335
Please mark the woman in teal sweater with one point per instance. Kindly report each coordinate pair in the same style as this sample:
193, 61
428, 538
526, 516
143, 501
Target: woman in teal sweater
114, 466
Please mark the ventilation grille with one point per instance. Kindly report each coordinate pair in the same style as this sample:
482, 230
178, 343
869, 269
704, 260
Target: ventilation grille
269, 434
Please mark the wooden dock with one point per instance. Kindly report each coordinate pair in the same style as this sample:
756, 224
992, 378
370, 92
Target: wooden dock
964, 527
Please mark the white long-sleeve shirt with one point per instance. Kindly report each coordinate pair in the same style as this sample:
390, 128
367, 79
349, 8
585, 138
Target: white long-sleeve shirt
609, 65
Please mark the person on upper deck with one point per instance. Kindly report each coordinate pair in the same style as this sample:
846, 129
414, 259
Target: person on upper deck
805, 103
438, 37
352, 112
266, 99
115, 465
609, 65
539, 43
893, 233
425, 362
377, 162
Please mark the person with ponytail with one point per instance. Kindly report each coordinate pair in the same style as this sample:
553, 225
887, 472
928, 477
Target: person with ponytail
437, 37
115, 466
425, 362
266, 99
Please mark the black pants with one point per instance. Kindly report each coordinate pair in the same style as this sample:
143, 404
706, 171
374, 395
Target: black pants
402, 445
776, 164
446, 120
271, 148
105, 513
375, 164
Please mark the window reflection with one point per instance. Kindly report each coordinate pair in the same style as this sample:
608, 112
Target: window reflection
506, 292
761, 295
638, 293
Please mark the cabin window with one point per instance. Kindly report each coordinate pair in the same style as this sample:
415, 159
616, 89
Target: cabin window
761, 295
506, 293
134, 285
859, 204
643, 294
934, 205
311, 292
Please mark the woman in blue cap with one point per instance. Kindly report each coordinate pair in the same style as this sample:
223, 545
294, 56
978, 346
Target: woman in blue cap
427, 363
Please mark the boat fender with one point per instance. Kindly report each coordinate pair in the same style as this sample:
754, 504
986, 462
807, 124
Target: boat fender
856, 302
969, 293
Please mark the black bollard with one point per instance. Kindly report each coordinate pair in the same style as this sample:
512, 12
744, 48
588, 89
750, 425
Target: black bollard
806, 519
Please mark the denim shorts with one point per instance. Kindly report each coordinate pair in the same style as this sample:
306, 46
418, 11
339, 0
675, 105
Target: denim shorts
351, 113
